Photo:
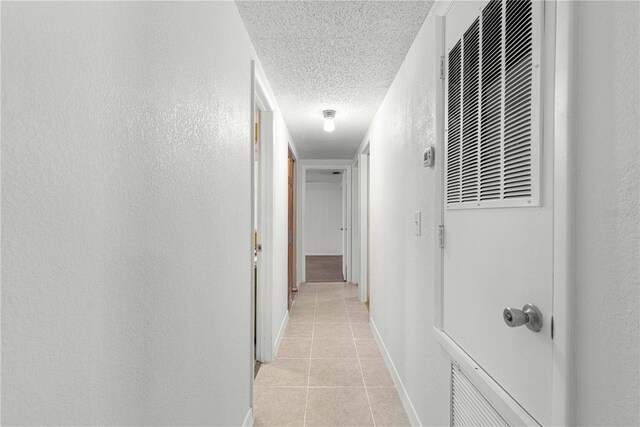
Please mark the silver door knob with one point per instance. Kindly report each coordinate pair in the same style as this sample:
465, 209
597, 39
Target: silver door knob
529, 316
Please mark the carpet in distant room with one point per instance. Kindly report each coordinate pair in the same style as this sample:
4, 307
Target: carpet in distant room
324, 268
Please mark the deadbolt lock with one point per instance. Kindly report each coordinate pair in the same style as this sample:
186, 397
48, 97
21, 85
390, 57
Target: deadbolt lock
529, 316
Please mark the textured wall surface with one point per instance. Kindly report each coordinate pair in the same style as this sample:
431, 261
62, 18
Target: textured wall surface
126, 214
323, 219
607, 223
607, 159
402, 288
331, 55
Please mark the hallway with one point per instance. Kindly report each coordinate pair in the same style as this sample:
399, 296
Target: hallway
320, 213
329, 370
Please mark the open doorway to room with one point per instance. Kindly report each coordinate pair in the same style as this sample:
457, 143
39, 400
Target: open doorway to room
326, 222
292, 285
325, 226
256, 228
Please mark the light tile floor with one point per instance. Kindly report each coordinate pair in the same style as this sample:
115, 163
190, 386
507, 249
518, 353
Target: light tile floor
329, 370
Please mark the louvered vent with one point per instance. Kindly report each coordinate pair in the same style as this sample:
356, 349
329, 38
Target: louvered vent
471, 111
493, 83
453, 113
468, 406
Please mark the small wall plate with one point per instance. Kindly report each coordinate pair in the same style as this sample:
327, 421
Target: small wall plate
429, 157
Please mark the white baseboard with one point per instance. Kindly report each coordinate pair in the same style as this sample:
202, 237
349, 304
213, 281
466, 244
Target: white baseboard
248, 419
278, 340
402, 392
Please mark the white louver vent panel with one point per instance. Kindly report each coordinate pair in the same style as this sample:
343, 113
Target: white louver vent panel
468, 407
493, 109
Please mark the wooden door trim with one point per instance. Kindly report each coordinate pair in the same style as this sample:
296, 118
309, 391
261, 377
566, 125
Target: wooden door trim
292, 286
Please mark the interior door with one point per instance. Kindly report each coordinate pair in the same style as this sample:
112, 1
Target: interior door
292, 282
498, 195
344, 226
256, 226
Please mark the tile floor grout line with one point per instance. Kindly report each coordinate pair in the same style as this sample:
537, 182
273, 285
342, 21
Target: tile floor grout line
313, 327
325, 386
364, 383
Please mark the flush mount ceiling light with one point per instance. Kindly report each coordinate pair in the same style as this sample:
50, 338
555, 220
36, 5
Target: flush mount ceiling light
329, 123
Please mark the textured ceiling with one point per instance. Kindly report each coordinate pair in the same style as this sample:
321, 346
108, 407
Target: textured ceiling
340, 55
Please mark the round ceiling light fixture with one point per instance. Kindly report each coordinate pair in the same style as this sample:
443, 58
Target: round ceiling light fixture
329, 122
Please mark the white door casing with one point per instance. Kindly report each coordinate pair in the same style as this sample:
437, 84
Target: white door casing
498, 215
303, 167
344, 229
363, 194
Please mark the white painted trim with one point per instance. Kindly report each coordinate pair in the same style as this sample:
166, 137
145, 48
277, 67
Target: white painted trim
363, 224
508, 408
402, 392
355, 222
294, 150
252, 344
248, 419
343, 219
364, 145
303, 167
283, 326
438, 169
264, 308
563, 375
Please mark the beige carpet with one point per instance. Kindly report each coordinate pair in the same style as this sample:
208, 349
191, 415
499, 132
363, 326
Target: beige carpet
324, 268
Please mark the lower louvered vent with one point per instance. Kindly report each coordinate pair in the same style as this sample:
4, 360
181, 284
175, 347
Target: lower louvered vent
468, 407
493, 81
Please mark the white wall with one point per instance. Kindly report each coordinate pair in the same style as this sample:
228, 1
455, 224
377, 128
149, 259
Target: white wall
323, 218
126, 214
401, 264
607, 223
607, 234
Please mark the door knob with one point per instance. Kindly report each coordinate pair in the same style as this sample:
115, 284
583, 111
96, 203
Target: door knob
529, 316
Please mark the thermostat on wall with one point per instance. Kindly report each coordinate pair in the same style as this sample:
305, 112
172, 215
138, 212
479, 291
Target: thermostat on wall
429, 157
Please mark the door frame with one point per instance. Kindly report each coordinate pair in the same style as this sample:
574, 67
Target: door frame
363, 222
344, 213
263, 307
294, 236
303, 167
560, 18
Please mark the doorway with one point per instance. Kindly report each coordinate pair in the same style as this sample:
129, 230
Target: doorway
325, 221
292, 285
325, 226
262, 125
256, 229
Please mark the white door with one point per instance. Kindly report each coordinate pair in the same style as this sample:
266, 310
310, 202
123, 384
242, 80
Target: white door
343, 228
498, 195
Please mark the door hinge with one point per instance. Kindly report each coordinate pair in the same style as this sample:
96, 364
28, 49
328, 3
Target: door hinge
442, 68
441, 236
551, 327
